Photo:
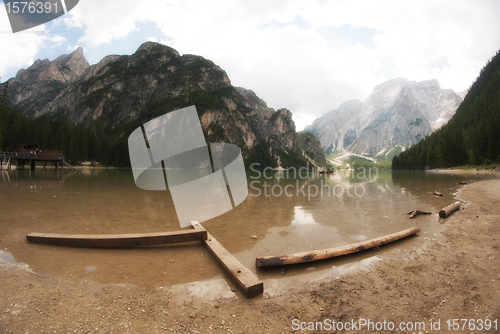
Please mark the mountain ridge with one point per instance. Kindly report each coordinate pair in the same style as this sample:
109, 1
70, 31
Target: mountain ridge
397, 114
124, 91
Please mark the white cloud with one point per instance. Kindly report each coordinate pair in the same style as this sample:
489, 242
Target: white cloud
464, 33
56, 41
106, 21
19, 50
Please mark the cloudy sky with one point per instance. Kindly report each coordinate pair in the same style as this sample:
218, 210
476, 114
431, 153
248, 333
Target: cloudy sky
308, 56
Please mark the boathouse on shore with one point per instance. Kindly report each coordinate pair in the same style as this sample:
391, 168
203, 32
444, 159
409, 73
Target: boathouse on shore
32, 153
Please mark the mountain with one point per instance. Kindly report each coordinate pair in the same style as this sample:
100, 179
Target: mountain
470, 136
34, 88
397, 114
337, 129
123, 92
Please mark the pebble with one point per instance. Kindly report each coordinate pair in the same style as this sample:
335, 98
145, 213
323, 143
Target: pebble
253, 236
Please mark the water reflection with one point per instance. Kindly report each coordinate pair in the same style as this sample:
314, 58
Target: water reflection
304, 218
7, 261
301, 217
35, 178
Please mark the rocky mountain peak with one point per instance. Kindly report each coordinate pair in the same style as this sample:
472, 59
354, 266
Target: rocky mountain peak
74, 65
398, 112
149, 47
45, 80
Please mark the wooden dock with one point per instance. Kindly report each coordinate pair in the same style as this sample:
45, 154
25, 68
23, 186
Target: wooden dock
31, 154
25, 158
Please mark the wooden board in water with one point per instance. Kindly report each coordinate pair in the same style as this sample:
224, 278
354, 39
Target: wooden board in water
116, 240
248, 283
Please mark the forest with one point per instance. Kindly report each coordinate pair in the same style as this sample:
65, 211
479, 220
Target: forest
100, 142
472, 135
77, 142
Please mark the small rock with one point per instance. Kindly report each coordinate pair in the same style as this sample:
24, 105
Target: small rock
253, 236
311, 268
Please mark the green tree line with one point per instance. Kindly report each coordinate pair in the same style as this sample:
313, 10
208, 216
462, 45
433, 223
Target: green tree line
4, 102
472, 136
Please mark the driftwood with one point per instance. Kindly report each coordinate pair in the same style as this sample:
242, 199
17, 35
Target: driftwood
463, 182
437, 194
270, 261
417, 212
445, 212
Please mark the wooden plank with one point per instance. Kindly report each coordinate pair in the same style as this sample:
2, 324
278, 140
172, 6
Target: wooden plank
116, 240
270, 261
248, 283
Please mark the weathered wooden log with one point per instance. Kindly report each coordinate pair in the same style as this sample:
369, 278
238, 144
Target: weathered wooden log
445, 212
248, 283
417, 212
116, 240
437, 194
270, 261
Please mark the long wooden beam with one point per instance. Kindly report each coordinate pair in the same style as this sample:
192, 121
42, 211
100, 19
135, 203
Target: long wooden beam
248, 283
116, 240
270, 261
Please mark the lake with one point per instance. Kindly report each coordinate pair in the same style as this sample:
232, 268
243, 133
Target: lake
284, 213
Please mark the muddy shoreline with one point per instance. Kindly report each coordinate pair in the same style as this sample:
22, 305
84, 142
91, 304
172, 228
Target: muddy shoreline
456, 275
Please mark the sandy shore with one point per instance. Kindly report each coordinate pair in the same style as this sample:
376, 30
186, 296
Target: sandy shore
454, 276
464, 171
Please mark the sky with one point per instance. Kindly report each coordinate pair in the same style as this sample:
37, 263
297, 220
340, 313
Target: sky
307, 56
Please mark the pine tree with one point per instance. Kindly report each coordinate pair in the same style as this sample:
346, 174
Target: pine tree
4, 103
